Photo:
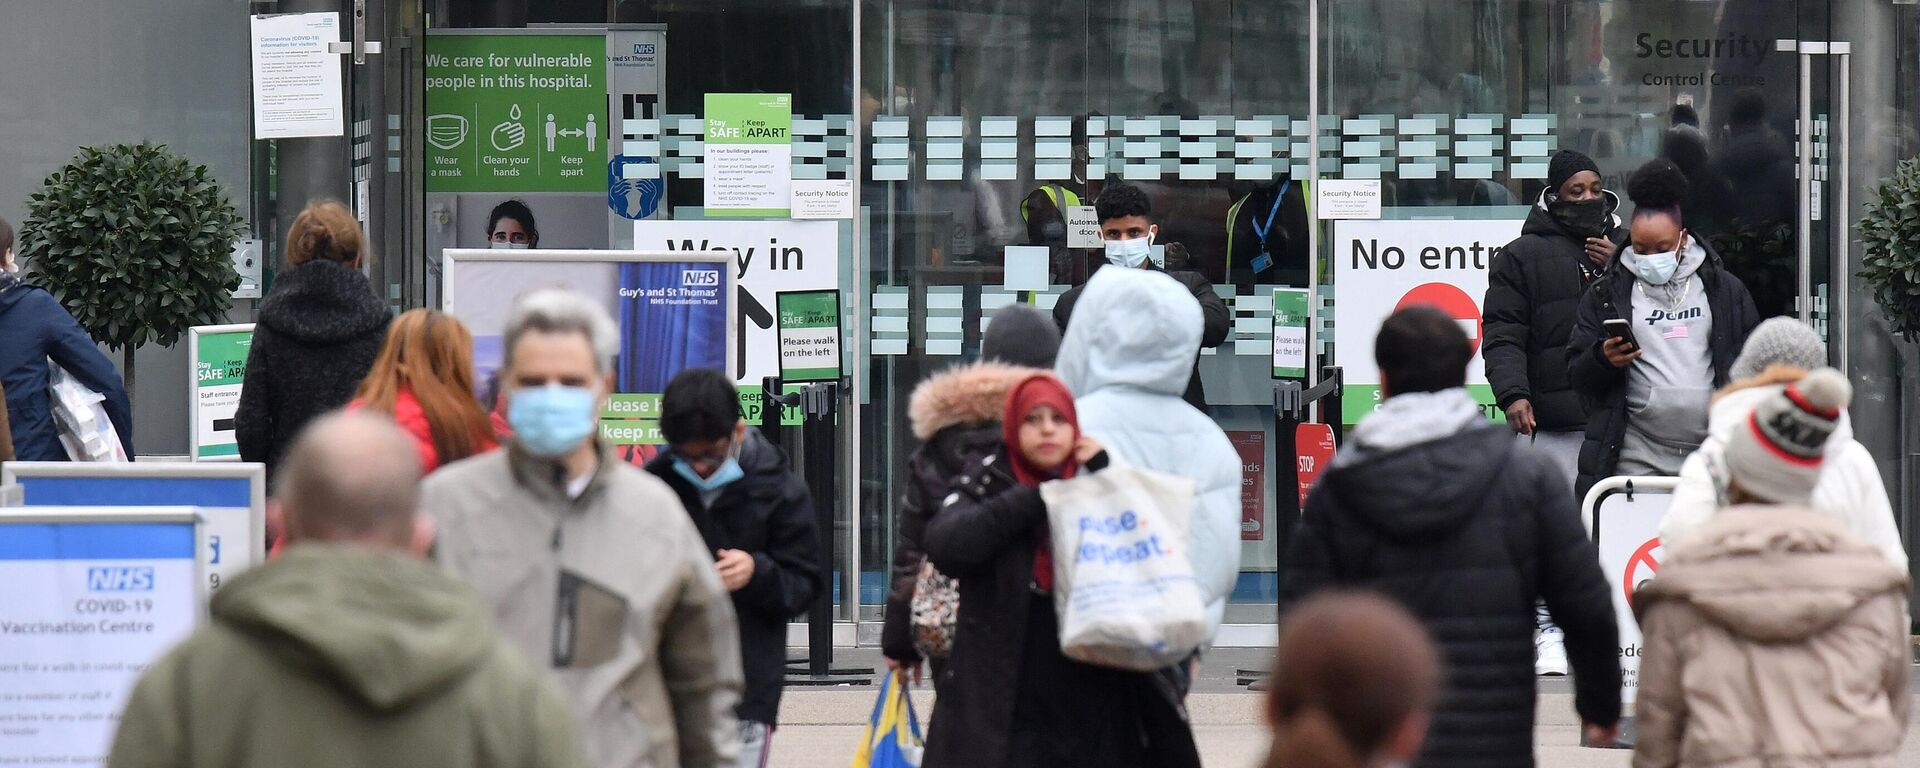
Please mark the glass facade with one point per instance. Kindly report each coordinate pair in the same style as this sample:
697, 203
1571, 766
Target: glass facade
968, 127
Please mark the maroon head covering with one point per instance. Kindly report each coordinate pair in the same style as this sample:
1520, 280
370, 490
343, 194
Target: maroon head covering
1035, 391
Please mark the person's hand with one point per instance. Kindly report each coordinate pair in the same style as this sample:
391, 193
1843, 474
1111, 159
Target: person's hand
1602, 735
1620, 352
735, 567
1085, 449
1520, 415
901, 669
1599, 251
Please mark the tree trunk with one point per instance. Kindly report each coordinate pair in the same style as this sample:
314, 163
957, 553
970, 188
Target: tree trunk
126, 374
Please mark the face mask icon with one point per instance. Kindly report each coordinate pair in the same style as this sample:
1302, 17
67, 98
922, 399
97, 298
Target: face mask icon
446, 131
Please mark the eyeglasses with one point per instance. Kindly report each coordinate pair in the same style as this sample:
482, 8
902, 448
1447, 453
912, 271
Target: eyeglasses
716, 454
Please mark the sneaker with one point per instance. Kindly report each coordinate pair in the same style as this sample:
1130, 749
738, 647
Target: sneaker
1550, 654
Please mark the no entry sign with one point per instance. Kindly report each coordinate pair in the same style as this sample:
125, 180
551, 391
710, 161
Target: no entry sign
1381, 266
1447, 298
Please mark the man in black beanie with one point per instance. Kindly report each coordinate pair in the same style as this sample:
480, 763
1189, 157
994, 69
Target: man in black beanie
1533, 293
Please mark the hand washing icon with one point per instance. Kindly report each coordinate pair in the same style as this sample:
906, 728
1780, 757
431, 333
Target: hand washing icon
508, 136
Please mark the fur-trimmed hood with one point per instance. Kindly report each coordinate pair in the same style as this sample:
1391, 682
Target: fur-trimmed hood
975, 393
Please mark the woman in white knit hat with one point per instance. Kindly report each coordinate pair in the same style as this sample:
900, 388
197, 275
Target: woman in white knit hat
1773, 635
1780, 352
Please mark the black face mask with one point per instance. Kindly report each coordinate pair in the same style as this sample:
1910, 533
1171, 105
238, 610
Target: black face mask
1587, 218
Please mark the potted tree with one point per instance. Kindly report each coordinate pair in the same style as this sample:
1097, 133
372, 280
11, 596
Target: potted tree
136, 242
1890, 230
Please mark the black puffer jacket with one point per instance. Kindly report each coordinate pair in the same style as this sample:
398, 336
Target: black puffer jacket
1604, 388
1217, 321
1533, 293
317, 335
1468, 533
1011, 698
956, 416
768, 514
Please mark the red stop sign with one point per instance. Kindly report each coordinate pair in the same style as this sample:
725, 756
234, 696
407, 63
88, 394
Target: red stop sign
1313, 448
1447, 298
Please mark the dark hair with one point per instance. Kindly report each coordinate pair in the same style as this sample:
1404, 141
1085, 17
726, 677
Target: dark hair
325, 231
1658, 187
699, 404
518, 211
1749, 107
1684, 114
1421, 349
1352, 668
1122, 200
6, 237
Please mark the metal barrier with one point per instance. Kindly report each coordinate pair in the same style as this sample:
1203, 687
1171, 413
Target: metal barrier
1623, 516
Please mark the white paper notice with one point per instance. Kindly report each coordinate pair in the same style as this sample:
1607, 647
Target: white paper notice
1348, 199
84, 609
1026, 268
1083, 227
822, 199
296, 82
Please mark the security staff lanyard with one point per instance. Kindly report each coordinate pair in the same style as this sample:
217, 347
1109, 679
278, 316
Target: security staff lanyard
1264, 261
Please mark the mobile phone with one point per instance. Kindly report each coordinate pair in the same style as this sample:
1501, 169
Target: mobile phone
1621, 329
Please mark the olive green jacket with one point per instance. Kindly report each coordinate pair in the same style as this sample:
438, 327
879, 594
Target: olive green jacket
338, 656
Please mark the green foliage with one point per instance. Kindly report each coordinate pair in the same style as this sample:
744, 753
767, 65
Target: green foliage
135, 241
1890, 230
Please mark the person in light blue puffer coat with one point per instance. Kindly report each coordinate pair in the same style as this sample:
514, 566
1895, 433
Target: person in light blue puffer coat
1127, 357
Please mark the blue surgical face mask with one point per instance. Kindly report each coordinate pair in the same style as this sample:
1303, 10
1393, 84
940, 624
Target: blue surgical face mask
1130, 253
1658, 268
551, 421
728, 472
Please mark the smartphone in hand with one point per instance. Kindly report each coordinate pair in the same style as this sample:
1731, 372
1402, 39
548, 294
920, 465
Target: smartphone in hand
1621, 329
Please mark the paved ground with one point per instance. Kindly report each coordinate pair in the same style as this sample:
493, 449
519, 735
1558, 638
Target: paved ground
820, 726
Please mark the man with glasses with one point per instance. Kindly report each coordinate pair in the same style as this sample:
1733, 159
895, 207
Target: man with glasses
757, 519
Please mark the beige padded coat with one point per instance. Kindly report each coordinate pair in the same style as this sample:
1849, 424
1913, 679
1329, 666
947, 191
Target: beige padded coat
1774, 637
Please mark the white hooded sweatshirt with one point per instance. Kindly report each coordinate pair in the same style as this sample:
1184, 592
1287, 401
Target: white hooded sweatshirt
1126, 358
1849, 487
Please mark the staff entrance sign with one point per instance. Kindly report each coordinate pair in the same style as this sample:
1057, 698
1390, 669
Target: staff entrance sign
89, 599
1387, 265
219, 355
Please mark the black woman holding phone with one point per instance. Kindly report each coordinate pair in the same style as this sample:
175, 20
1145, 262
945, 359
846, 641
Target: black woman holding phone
1655, 336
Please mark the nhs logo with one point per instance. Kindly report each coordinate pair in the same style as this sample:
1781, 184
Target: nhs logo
643, 49
706, 278
120, 579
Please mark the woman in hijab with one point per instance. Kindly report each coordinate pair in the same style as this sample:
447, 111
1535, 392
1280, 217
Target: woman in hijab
1012, 697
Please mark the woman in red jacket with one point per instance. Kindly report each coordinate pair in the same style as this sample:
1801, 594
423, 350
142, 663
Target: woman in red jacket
424, 380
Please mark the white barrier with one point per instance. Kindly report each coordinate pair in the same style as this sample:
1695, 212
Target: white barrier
1623, 516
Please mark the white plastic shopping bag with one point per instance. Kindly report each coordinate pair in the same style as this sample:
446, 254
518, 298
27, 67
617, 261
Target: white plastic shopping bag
81, 420
1123, 580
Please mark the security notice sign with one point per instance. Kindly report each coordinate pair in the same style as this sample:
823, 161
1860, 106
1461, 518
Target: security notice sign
1382, 266
1626, 529
85, 606
219, 354
809, 335
516, 113
749, 155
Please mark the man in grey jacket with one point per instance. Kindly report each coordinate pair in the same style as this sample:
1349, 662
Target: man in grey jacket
591, 565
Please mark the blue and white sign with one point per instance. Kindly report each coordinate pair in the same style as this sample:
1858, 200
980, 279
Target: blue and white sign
89, 599
231, 498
